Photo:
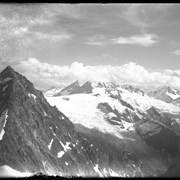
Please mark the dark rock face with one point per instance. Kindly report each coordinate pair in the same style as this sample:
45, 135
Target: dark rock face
159, 137
36, 132
173, 171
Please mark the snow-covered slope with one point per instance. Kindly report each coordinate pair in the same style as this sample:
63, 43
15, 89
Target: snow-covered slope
123, 114
7, 171
52, 91
83, 108
145, 102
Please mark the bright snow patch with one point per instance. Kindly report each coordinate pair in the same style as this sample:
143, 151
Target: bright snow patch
105, 172
66, 146
173, 96
66, 163
111, 115
32, 96
2, 126
96, 168
112, 173
50, 144
45, 113
60, 154
6, 171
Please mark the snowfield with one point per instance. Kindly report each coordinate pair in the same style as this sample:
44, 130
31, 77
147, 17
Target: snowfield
82, 109
6, 171
142, 103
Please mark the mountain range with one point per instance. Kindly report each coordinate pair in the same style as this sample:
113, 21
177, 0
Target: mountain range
99, 129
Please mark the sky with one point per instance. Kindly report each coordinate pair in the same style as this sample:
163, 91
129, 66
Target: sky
56, 44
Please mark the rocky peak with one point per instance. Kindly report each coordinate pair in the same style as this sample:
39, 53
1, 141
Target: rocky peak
165, 93
86, 87
35, 136
7, 77
133, 89
8, 69
69, 89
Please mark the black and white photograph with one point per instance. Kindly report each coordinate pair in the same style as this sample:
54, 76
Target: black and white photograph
89, 90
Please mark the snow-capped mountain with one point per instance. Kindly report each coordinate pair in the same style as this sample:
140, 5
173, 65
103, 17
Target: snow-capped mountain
143, 125
166, 94
86, 88
75, 88
69, 89
95, 130
132, 89
36, 137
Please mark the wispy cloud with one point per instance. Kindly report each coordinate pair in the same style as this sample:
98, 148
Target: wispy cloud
138, 39
144, 16
51, 37
142, 40
132, 15
95, 43
105, 57
97, 40
34, 22
176, 52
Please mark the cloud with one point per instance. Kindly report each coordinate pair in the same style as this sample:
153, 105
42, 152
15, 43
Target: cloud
138, 39
63, 10
142, 40
97, 40
105, 57
50, 37
176, 52
22, 26
144, 16
45, 75
132, 15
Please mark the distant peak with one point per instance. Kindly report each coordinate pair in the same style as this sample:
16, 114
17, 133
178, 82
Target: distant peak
8, 72
8, 68
87, 82
75, 83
